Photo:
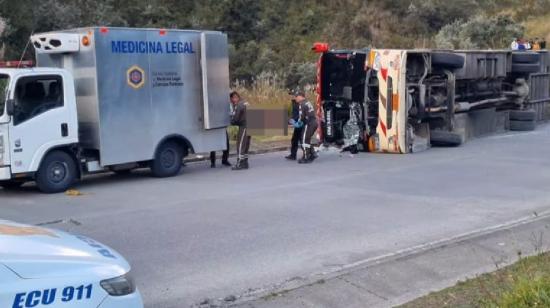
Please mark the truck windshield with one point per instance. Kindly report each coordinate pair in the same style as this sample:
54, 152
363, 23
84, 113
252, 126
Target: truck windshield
4, 82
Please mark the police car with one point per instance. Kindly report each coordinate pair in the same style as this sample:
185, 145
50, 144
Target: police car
41, 267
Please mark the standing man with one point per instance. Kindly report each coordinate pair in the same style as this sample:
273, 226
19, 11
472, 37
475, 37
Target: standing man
297, 132
307, 119
238, 118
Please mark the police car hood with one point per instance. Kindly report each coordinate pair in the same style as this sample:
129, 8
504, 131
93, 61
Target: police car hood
36, 252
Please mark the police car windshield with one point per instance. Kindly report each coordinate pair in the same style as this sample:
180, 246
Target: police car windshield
4, 82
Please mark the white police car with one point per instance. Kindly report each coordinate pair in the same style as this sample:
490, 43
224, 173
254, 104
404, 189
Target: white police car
41, 267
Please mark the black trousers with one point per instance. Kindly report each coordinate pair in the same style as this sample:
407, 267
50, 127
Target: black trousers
225, 155
308, 132
295, 142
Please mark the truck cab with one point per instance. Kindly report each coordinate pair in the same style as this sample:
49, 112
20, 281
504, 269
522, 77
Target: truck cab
37, 116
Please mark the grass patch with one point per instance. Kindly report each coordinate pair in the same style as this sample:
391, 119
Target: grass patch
523, 284
538, 27
268, 90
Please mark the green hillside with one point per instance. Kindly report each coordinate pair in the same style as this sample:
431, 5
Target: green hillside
273, 38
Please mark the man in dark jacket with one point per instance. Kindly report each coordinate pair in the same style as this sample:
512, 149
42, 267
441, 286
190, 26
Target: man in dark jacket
297, 132
238, 118
307, 120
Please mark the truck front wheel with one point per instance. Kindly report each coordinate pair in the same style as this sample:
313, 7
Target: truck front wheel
57, 173
168, 160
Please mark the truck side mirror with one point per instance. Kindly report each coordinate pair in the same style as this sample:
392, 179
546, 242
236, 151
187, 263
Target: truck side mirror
10, 107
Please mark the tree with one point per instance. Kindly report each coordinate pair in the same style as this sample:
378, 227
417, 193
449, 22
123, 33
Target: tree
275, 36
480, 32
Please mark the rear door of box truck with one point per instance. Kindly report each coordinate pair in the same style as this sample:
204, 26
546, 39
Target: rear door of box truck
153, 84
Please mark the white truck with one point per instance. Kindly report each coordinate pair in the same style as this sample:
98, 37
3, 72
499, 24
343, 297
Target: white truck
112, 99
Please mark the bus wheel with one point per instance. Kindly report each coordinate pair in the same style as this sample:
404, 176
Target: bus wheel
57, 173
448, 60
522, 126
523, 115
445, 138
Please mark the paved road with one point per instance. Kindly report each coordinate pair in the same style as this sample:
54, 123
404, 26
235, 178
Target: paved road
210, 233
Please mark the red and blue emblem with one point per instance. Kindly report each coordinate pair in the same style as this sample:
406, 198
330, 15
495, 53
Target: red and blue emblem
135, 77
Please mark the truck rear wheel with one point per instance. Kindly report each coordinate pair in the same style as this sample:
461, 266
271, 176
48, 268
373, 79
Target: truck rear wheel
168, 160
57, 173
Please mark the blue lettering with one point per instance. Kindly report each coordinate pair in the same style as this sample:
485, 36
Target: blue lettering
48, 296
31, 300
189, 48
131, 47
115, 46
106, 253
146, 47
151, 47
19, 298
68, 294
95, 245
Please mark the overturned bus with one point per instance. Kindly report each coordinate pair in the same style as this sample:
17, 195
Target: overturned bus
404, 101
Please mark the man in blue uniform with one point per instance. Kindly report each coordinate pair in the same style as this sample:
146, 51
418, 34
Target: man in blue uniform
297, 132
307, 120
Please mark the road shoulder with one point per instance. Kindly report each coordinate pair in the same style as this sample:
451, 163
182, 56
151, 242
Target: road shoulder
397, 279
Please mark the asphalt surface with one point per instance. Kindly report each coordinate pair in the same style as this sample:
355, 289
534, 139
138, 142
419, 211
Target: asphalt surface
210, 233
400, 278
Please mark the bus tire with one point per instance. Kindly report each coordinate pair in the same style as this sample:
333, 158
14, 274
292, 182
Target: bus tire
522, 126
525, 68
445, 138
168, 160
525, 57
523, 115
448, 60
57, 172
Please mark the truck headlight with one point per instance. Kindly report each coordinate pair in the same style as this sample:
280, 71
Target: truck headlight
119, 286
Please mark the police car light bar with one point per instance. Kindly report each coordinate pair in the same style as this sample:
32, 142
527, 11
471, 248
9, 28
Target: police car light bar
56, 42
16, 64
